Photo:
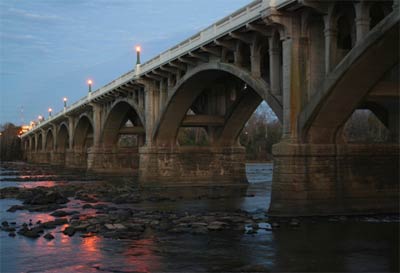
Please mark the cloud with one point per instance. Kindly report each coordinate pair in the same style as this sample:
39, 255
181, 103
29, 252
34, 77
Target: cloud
33, 16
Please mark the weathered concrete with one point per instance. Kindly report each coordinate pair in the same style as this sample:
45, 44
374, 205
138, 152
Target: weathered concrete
335, 179
192, 165
117, 160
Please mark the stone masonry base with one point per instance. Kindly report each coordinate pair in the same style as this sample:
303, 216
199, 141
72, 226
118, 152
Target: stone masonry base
191, 165
335, 179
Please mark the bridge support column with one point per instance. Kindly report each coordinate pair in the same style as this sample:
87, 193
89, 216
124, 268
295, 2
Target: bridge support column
161, 166
115, 160
332, 179
57, 158
76, 159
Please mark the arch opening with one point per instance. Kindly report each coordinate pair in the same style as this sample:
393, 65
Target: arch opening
39, 143
211, 106
83, 137
62, 139
49, 141
123, 127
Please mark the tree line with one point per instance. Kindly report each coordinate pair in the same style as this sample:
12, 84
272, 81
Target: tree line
10, 143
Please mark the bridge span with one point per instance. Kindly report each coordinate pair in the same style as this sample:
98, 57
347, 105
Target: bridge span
313, 62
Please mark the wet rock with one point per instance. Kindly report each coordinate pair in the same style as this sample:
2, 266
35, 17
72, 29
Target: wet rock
48, 225
126, 199
70, 231
8, 228
200, 230
251, 231
9, 192
275, 225
48, 236
87, 206
252, 268
294, 223
114, 226
4, 224
59, 213
87, 235
60, 221
12, 234
29, 233
100, 206
216, 225
43, 197
15, 208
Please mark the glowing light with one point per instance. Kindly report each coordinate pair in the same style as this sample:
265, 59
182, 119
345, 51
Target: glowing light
40, 117
89, 82
50, 110
138, 48
65, 99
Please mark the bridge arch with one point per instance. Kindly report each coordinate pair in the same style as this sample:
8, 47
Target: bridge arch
250, 91
351, 81
83, 133
121, 112
49, 140
39, 143
62, 138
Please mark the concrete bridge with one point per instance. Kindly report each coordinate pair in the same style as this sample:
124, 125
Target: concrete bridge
313, 62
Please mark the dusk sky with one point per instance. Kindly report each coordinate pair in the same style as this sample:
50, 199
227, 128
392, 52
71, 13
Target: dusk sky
50, 48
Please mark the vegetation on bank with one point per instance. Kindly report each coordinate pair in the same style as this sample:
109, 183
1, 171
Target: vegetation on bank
10, 143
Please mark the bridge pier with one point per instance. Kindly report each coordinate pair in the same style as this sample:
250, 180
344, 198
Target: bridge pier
311, 179
57, 158
116, 160
164, 166
76, 159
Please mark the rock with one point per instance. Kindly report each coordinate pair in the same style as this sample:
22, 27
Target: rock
48, 236
114, 226
87, 206
12, 234
251, 231
275, 225
15, 208
87, 235
30, 233
4, 224
100, 206
252, 268
200, 230
216, 225
70, 231
59, 213
60, 221
42, 198
8, 229
48, 225
294, 223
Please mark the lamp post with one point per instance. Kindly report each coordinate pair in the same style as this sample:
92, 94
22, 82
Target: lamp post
138, 49
40, 118
65, 103
90, 82
50, 110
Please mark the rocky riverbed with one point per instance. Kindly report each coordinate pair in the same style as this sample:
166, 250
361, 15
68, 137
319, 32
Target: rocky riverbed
77, 208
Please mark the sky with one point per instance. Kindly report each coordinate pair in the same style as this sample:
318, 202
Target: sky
49, 48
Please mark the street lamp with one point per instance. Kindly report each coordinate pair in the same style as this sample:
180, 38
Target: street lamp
138, 49
50, 110
65, 102
40, 118
90, 82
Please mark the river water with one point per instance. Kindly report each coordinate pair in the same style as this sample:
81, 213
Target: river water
335, 244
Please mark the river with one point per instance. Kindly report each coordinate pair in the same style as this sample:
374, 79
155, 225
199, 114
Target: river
331, 244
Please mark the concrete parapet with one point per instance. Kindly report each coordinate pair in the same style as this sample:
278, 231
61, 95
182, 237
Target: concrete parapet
312, 179
191, 165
